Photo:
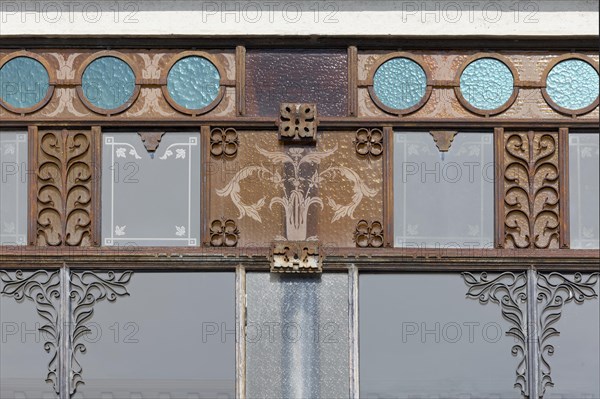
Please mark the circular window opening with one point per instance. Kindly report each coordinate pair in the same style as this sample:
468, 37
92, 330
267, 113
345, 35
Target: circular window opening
487, 84
108, 83
24, 83
573, 84
194, 83
400, 84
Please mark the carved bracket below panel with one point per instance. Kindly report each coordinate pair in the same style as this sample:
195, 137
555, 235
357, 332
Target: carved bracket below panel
151, 140
298, 122
443, 139
296, 257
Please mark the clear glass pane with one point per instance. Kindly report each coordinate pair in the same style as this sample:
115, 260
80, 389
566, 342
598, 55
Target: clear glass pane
575, 363
24, 363
151, 199
24, 82
193, 82
584, 190
108, 82
400, 83
573, 84
421, 338
444, 200
13, 188
172, 337
487, 83
297, 336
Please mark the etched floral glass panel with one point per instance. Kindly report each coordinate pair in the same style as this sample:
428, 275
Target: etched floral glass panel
151, 199
24, 82
432, 341
443, 199
573, 84
25, 364
584, 190
297, 336
193, 82
13, 188
487, 84
108, 82
400, 83
173, 336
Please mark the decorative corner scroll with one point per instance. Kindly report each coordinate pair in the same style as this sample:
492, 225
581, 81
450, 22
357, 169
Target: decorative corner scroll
369, 142
43, 288
553, 291
443, 139
224, 233
224, 142
296, 257
151, 140
368, 234
509, 290
298, 122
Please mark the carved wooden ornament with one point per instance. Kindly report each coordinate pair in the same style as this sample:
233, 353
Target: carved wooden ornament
151, 140
369, 234
443, 139
296, 257
298, 122
369, 142
224, 233
224, 142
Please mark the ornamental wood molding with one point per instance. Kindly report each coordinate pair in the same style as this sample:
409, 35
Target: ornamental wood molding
531, 193
296, 257
298, 122
64, 188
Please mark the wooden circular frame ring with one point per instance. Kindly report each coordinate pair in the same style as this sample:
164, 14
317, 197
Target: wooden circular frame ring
165, 90
51, 82
551, 103
125, 59
503, 107
428, 88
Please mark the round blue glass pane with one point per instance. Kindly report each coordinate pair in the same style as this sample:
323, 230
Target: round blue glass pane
400, 83
24, 82
573, 84
193, 82
108, 82
487, 84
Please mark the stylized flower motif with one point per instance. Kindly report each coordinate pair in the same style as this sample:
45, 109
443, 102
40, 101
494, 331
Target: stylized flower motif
120, 152
134, 153
180, 231
223, 142
120, 230
167, 154
473, 230
412, 229
369, 142
368, 234
224, 233
9, 149
8, 227
180, 153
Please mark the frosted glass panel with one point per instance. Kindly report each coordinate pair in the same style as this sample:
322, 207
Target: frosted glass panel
443, 200
421, 338
24, 82
297, 336
151, 199
108, 82
400, 83
193, 82
573, 84
173, 337
13, 188
584, 190
575, 364
486, 83
23, 360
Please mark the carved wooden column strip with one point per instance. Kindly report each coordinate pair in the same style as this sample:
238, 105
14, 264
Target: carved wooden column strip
563, 172
388, 186
352, 81
32, 151
96, 212
205, 166
499, 186
240, 80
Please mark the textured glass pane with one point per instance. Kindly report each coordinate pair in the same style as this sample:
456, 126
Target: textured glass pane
297, 336
584, 190
193, 82
108, 82
421, 338
151, 199
400, 83
24, 82
13, 188
23, 361
486, 83
172, 337
441, 199
575, 363
573, 84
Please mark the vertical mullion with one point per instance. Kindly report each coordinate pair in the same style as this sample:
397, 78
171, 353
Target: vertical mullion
240, 80
352, 81
205, 174
65, 350
499, 187
388, 186
532, 335
32, 166
240, 320
96, 209
563, 187
353, 331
